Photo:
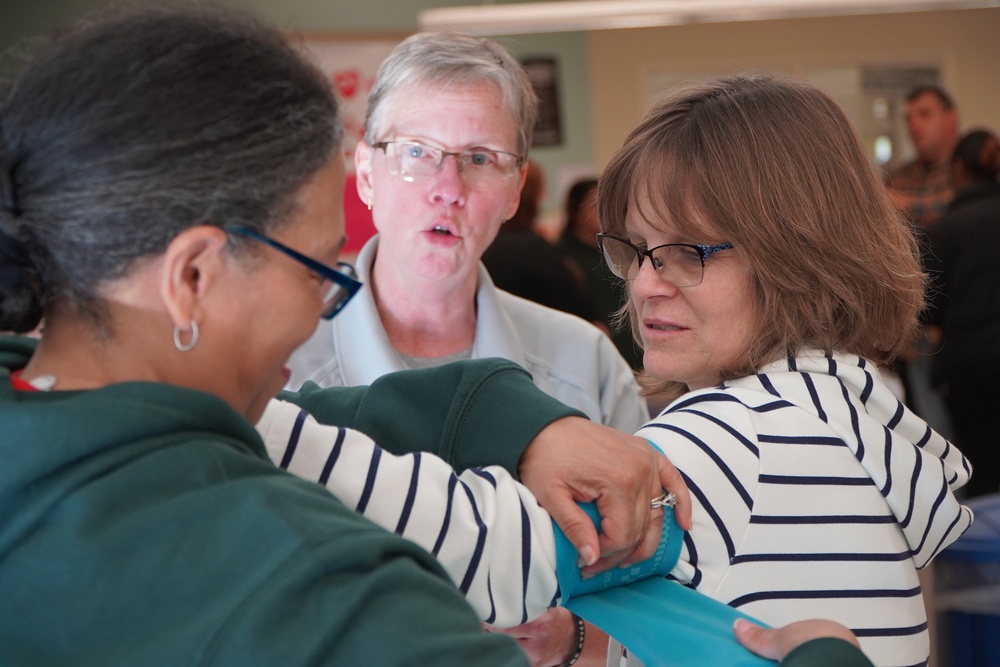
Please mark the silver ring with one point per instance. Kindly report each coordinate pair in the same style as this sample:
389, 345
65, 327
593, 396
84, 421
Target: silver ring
668, 499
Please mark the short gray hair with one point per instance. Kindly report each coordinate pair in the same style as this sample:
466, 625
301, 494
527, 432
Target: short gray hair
137, 125
440, 59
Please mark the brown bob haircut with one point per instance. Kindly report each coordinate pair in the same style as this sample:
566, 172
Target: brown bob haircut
773, 166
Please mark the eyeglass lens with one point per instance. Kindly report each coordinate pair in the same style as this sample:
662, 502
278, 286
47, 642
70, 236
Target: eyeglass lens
680, 265
412, 161
336, 296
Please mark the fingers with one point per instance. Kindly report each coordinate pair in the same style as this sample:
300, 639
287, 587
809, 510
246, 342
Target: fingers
623, 558
575, 460
548, 640
778, 642
626, 518
672, 480
758, 640
577, 527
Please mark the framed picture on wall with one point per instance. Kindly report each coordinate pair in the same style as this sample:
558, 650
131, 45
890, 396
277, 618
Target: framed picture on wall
544, 75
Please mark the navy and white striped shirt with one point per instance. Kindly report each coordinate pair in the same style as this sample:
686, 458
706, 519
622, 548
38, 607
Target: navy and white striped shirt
486, 529
816, 494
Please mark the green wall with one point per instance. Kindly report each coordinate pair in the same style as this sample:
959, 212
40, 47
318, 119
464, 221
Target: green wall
20, 19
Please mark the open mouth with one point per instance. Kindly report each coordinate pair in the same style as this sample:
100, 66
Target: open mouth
443, 231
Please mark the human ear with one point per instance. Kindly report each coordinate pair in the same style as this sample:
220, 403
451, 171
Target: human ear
516, 198
363, 171
193, 264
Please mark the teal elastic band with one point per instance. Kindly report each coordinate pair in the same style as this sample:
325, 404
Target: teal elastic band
659, 621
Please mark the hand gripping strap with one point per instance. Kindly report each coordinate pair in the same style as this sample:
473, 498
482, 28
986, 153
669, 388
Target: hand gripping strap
661, 622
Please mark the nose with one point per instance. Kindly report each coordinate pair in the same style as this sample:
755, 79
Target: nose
649, 283
448, 184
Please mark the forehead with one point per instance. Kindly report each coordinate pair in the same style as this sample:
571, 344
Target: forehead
470, 109
926, 103
317, 225
660, 203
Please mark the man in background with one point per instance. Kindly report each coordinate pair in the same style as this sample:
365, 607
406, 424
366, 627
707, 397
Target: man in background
922, 187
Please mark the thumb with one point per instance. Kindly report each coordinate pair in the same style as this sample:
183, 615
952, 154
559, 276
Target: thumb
577, 527
760, 641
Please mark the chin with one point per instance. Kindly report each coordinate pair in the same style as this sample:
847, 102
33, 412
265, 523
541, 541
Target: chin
658, 368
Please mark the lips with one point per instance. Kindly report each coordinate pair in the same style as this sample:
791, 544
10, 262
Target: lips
661, 325
442, 228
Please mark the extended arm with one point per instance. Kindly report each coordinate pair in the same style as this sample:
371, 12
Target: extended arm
487, 530
473, 413
488, 412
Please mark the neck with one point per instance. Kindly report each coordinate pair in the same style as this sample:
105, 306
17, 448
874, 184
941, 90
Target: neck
426, 318
79, 356
72, 353
942, 155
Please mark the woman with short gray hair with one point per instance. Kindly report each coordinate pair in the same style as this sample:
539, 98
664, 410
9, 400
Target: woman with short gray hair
441, 166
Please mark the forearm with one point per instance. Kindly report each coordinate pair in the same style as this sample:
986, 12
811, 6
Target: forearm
474, 413
484, 528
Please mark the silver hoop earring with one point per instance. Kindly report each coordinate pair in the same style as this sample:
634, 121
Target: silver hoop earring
191, 343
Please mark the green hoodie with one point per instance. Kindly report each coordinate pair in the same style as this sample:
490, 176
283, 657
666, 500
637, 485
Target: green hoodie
143, 524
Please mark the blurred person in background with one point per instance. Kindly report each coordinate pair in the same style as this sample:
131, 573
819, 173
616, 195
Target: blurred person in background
961, 259
578, 244
522, 262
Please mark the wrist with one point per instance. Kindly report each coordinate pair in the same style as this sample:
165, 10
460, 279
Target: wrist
579, 637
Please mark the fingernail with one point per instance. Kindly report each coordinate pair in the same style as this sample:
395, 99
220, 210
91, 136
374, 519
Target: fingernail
588, 555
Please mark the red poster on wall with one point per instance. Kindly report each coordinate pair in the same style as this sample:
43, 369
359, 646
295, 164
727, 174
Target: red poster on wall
350, 64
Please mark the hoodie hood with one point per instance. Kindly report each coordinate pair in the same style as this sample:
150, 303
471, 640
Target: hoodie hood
902, 454
39, 445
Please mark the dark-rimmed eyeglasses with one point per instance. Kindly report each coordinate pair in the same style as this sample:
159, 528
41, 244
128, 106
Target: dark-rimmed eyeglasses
681, 264
339, 284
413, 161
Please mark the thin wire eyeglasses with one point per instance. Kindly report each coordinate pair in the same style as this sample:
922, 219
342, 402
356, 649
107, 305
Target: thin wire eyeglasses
339, 284
681, 264
413, 161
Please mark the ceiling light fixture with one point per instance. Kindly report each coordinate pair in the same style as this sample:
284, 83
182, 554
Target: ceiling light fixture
571, 15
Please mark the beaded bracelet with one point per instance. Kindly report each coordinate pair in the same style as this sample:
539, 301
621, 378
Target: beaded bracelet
580, 630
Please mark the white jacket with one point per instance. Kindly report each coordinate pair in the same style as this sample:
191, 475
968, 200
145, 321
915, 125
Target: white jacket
568, 358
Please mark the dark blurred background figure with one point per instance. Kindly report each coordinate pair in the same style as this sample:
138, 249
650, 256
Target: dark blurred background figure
579, 245
521, 262
922, 187
962, 257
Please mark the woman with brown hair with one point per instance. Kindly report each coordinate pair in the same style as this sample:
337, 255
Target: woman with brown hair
769, 276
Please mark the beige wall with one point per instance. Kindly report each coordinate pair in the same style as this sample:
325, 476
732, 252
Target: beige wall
966, 43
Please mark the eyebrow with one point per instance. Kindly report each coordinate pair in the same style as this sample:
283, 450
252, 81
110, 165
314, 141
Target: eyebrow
430, 143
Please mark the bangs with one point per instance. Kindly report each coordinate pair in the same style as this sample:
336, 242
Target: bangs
666, 197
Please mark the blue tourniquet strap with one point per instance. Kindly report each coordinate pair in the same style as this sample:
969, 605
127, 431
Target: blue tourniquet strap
661, 622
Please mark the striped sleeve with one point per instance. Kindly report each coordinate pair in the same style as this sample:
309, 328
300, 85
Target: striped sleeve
711, 440
486, 530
